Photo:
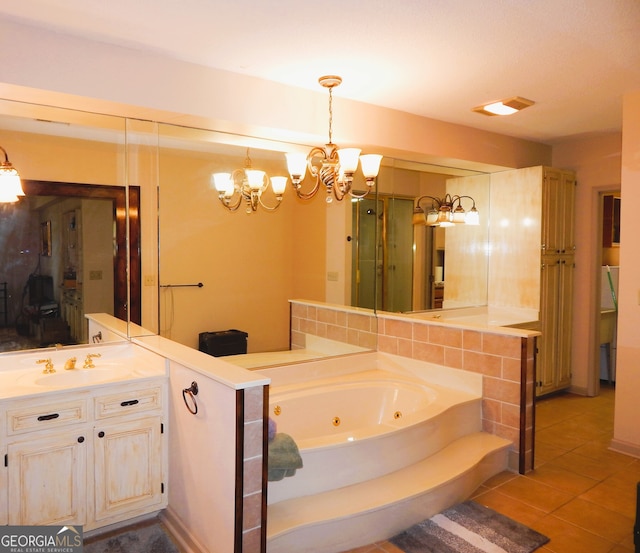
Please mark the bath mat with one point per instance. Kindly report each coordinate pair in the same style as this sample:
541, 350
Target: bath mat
141, 539
469, 528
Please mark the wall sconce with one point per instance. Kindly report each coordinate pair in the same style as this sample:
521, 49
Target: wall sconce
10, 185
332, 166
445, 212
247, 184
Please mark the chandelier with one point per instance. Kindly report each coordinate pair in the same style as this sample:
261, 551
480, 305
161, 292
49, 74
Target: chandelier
10, 185
445, 212
331, 166
247, 185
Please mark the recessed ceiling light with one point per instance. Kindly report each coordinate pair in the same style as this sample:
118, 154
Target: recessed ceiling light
504, 107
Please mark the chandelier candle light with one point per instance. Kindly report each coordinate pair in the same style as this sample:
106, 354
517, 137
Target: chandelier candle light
247, 184
10, 185
445, 212
330, 165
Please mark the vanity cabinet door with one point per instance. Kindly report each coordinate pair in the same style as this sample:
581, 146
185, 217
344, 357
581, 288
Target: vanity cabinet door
128, 468
47, 480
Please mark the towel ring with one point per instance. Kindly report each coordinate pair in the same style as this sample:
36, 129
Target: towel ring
192, 392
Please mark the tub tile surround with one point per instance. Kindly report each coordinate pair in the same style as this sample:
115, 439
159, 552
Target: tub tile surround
471, 342
355, 326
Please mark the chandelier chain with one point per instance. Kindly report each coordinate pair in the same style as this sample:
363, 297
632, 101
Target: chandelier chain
330, 115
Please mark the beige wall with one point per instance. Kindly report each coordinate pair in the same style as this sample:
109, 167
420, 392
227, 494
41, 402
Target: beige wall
626, 430
516, 233
244, 261
250, 264
467, 257
596, 161
66, 159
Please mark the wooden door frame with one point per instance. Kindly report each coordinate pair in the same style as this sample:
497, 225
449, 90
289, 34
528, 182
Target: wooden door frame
126, 291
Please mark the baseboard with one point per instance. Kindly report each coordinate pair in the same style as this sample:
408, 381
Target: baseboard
118, 527
578, 390
180, 534
625, 447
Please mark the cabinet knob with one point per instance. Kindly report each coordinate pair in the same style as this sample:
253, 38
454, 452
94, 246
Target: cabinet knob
101, 434
80, 439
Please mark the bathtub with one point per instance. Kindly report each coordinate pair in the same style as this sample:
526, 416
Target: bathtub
365, 423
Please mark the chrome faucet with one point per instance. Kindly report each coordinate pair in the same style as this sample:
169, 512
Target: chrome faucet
48, 368
70, 364
88, 362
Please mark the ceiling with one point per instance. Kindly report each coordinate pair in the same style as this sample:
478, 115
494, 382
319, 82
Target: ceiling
435, 58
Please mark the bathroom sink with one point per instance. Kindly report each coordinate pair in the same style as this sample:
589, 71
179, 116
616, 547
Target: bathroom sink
81, 377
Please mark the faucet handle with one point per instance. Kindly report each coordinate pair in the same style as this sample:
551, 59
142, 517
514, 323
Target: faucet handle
48, 367
88, 362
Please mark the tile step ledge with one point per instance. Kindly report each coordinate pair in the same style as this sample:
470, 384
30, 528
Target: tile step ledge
376, 509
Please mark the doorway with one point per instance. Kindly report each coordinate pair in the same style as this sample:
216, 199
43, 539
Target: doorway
609, 248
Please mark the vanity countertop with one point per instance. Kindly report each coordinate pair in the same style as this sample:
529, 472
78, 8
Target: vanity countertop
23, 374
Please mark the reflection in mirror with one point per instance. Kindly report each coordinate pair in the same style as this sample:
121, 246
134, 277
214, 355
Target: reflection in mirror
361, 253
78, 264
365, 252
408, 267
250, 264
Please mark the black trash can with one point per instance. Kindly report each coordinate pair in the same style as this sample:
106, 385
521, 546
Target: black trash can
223, 342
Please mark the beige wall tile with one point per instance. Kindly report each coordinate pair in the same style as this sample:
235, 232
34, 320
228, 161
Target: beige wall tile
445, 336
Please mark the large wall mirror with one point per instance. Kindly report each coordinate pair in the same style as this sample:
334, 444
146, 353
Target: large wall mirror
188, 264
224, 269
64, 246
249, 264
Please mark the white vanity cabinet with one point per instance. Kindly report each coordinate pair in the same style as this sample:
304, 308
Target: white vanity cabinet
46, 461
88, 457
128, 453
47, 480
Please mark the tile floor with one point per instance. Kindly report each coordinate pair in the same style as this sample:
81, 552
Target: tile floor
581, 494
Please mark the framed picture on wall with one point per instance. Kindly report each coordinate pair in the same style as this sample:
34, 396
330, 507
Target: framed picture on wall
45, 238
